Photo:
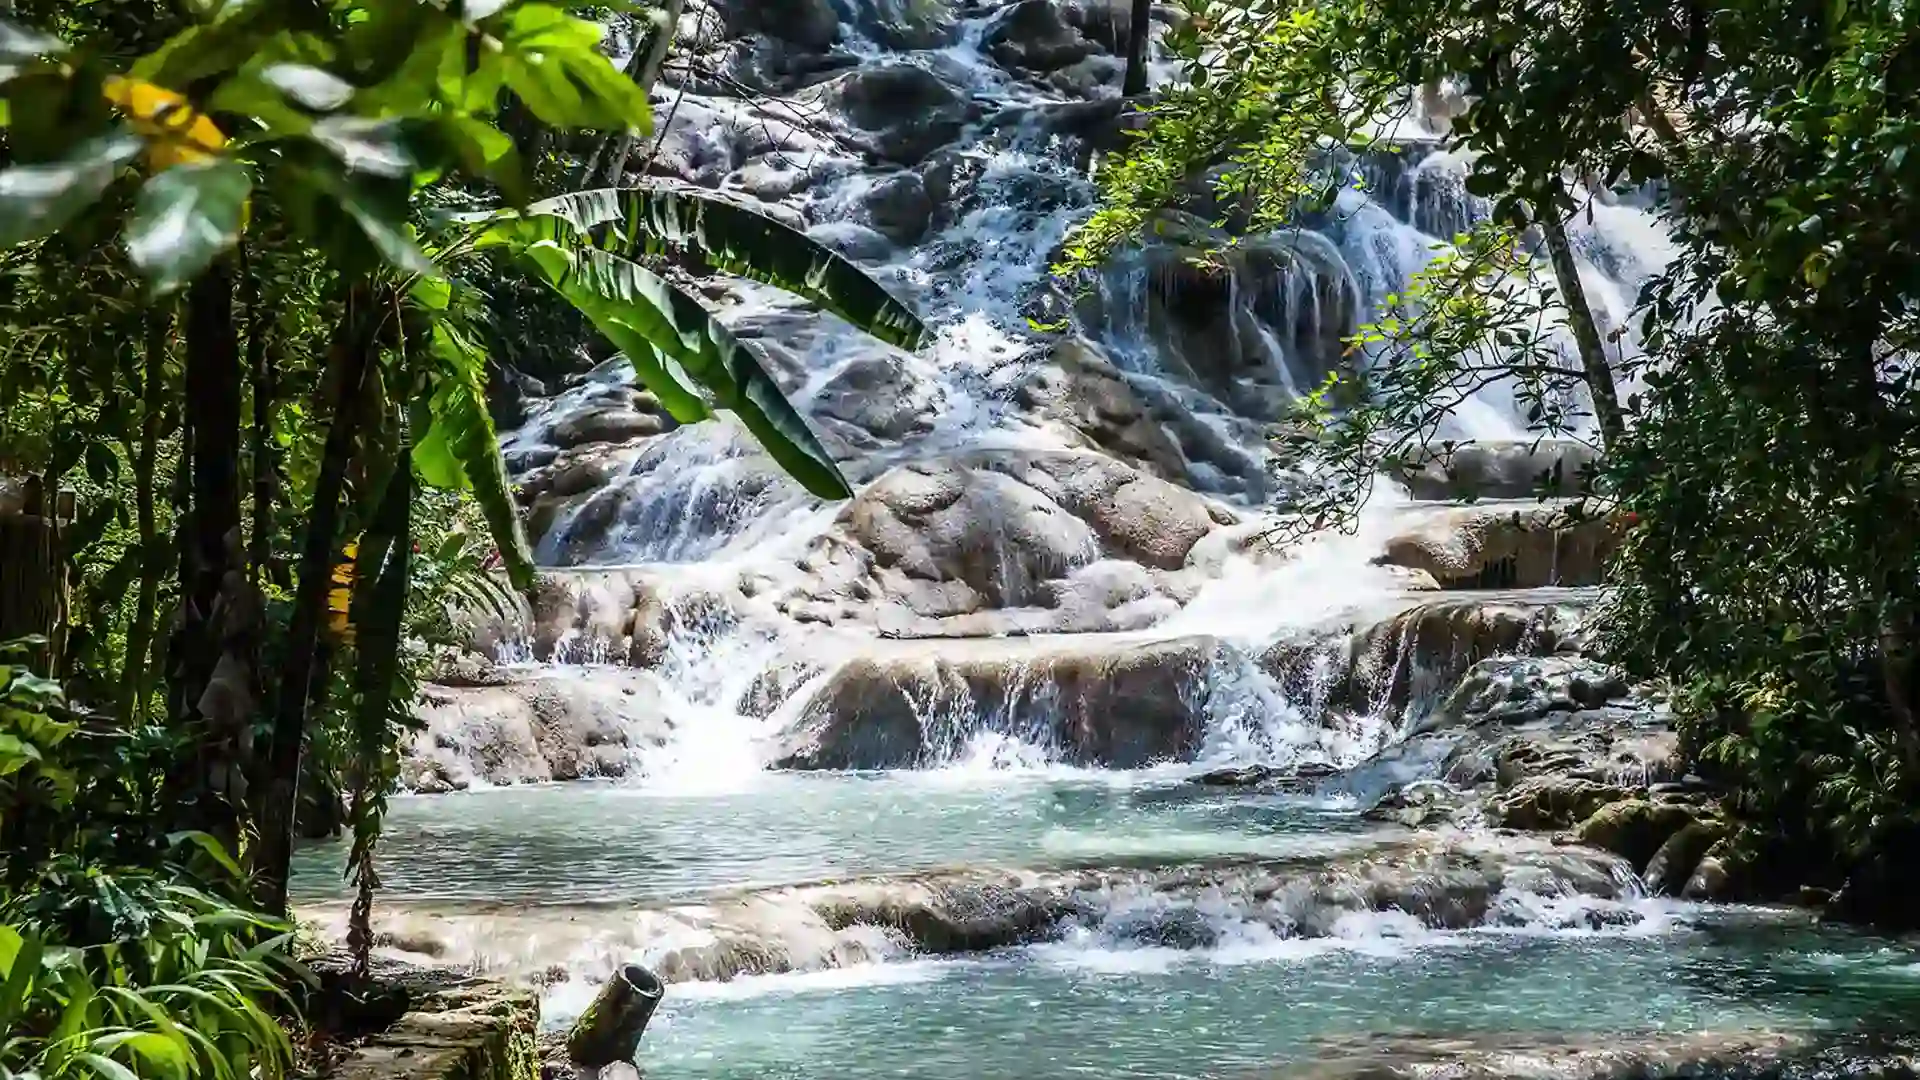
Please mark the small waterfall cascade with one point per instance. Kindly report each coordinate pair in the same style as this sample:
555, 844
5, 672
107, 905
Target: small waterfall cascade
1022, 496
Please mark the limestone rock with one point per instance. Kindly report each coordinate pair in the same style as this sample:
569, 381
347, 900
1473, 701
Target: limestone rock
809, 24
1550, 802
1671, 867
544, 726
1502, 469
1634, 829
1015, 538
852, 240
882, 394
898, 207
1099, 701
1519, 690
1491, 546
1711, 879
1046, 35
1081, 388
905, 112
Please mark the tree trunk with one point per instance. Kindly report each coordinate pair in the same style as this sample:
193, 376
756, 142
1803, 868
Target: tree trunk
260, 542
609, 1031
1593, 352
136, 687
349, 359
214, 686
32, 576
1139, 33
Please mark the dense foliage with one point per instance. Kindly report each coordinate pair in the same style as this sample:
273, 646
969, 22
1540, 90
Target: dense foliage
1768, 450
239, 321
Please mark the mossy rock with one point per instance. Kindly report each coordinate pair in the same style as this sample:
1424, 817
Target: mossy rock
1551, 802
483, 1032
1672, 866
1634, 829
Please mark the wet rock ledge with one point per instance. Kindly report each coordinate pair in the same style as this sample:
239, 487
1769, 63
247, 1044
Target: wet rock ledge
417, 1023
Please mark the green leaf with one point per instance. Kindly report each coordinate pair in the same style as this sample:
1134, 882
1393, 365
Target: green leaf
38, 199
20, 965
738, 241
629, 307
390, 237
211, 846
552, 61
656, 324
315, 88
21, 45
160, 1055
463, 437
184, 218
106, 1067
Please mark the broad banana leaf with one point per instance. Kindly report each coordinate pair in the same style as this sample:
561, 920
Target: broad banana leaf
461, 450
675, 345
630, 221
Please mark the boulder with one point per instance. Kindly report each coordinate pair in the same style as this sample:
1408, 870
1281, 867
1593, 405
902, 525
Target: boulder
546, 725
1511, 546
1041, 36
1634, 829
1093, 701
1413, 659
1671, 867
1517, 690
898, 207
1711, 879
1082, 389
808, 24
904, 112
610, 424
1550, 802
883, 394
1011, 537
853, 240
1501, 469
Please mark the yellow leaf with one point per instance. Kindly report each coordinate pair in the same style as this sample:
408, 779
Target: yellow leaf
177, 132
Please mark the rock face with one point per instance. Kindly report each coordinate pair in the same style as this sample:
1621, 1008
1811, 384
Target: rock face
991, 541
539, 725
1513, 546
1112, 704
1417, 657
462, 1029
1495, 469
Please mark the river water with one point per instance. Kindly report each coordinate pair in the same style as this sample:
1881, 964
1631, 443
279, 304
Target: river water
1204, 932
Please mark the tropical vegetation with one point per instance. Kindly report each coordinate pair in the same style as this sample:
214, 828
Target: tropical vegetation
260, 263
1762, 437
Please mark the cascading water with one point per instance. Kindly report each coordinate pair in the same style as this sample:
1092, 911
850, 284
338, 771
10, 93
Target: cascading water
913, 784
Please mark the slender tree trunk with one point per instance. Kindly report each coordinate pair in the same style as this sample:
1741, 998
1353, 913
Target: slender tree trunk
1593, 352
1139, 33
136, 687
349, 359
214, 662
260, 542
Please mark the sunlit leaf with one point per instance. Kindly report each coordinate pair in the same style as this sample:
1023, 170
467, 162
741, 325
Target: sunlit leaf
184, 218
38, 199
